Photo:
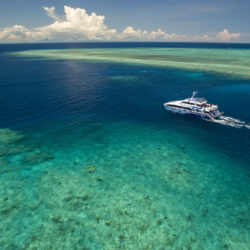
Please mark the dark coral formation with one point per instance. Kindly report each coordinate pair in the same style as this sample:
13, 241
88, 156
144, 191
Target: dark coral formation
17, 152
10, 136
33, 158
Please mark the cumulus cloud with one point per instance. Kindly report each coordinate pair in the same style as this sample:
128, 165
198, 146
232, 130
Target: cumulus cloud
51, 13
78, 25
226, 36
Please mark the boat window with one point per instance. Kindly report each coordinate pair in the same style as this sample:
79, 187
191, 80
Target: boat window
180, 107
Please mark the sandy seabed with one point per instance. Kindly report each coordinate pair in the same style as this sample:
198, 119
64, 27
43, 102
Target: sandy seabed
119, 185
234, 62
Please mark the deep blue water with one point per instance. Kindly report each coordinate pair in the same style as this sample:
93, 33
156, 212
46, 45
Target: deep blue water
54, 101
37, 93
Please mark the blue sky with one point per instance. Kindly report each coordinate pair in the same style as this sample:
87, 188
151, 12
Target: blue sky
185, 18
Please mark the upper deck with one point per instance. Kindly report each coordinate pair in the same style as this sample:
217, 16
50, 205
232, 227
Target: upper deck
195, 100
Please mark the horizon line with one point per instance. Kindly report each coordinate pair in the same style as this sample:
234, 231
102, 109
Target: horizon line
169, 42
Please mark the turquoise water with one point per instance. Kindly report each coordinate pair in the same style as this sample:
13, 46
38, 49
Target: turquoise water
89, 158
230, 62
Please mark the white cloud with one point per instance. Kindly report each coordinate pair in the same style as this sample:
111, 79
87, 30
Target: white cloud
15, 33
226, 36
51, 13
78, 25
130, 33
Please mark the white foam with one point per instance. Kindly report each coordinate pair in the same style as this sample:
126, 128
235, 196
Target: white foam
229, 121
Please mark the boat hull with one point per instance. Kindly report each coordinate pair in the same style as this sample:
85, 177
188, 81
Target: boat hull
188, 112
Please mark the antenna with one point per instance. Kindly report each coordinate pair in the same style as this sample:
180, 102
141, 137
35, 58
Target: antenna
194, 93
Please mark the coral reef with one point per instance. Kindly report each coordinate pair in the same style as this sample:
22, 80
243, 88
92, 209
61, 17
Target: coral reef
234, 63
10, 136
124, 78
91, 169
33, 158
156, 196
17, 152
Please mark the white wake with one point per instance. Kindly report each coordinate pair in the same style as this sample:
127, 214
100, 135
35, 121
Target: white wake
229, 121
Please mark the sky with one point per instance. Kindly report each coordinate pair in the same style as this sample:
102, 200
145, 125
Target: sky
126, 20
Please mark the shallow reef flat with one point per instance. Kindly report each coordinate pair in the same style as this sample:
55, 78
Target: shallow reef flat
124, 78
235, 62
121, 185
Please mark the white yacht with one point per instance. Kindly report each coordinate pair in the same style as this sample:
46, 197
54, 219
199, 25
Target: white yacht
194, 106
